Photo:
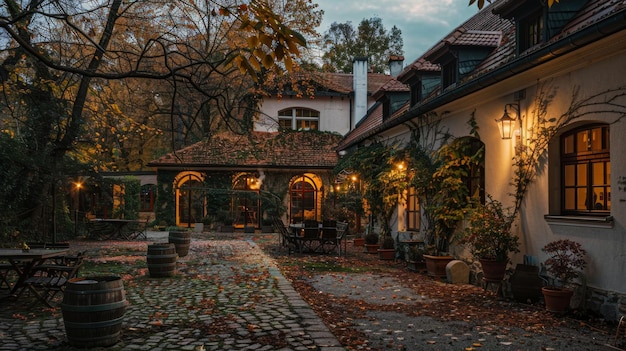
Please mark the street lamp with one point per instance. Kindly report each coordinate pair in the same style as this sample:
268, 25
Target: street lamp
79, 185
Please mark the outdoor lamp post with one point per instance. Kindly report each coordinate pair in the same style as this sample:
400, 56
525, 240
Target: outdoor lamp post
78, 187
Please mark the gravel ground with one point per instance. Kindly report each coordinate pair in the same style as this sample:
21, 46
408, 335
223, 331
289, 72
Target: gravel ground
399, 330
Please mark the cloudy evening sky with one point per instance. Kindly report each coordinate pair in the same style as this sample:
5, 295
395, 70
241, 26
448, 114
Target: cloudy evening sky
422, 22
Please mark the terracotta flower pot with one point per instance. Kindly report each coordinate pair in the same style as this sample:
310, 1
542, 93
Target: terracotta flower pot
557, 299
386, 254
436, 265
358, 241
372, 248
493, 271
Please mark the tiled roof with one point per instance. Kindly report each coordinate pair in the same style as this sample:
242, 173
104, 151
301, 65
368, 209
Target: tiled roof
487, 29
293, 149
343, 82
373, 119
419, 65
392, 86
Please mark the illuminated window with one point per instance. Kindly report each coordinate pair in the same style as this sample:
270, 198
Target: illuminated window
412, 210
299, 119
586, 171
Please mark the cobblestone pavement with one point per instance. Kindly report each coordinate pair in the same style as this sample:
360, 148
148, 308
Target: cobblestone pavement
226, 295
229, 295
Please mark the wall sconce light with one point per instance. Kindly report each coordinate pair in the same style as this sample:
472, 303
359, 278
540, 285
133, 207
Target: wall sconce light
506, 123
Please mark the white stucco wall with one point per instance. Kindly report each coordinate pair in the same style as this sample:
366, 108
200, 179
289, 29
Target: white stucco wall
594, 69
334, 112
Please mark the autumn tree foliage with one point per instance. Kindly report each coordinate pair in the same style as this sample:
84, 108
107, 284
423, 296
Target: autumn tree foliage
101, 84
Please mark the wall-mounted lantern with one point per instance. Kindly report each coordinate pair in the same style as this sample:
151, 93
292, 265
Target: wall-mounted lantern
507, 123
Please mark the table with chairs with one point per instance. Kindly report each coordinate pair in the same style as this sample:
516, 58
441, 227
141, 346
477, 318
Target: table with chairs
312, 236
41, 273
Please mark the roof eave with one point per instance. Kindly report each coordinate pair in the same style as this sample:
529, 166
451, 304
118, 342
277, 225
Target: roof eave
588, 35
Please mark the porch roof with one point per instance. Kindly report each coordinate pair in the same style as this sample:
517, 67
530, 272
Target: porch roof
288, 149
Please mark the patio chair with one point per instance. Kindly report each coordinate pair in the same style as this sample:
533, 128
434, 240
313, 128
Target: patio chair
329, 237
286, 239
342, 231
310, 241
52, 279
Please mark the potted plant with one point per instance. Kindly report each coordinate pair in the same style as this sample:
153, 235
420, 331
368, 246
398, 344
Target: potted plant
415, 258
489, 238
388, 249
566, 259
358, 240
371, 243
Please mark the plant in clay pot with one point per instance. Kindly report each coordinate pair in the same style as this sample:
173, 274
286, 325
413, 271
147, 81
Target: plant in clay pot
489, 238
388, 249
359, 240
415, 258
566, 259
371, 243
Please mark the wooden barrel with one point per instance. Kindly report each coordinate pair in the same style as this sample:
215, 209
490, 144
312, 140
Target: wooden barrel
181, 241
161, 260
93, 310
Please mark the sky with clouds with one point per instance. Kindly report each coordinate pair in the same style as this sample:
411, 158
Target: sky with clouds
422, 22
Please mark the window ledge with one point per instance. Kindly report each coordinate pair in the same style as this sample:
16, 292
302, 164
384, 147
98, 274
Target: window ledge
580, 221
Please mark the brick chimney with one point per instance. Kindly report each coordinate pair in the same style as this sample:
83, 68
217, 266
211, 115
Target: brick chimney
359, 87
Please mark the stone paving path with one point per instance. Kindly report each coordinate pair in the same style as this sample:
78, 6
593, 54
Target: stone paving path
226, 295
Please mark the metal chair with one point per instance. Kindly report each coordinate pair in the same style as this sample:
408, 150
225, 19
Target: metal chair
52, 279
342, 231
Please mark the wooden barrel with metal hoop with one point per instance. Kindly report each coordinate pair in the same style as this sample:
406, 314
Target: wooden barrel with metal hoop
93, 310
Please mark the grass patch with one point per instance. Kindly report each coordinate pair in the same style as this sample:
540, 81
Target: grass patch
111, 268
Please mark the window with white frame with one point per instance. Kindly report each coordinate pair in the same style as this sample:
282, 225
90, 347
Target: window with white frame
586, 171
298, 118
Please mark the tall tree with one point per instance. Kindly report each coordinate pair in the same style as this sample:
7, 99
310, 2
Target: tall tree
342, 43
59, 57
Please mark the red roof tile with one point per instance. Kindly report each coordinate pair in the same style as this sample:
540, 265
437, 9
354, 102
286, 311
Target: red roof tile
343, 82
306, 149
490, 30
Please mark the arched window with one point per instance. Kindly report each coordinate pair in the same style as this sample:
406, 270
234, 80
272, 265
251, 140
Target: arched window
586, 170
303, 193
299, 119
190, 199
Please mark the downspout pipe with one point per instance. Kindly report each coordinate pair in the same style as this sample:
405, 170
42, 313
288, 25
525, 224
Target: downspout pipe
588, 35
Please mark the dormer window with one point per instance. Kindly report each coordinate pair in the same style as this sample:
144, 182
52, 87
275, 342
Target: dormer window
462, 52
423, 78
448, 74
535, 21
531, 31
299, 119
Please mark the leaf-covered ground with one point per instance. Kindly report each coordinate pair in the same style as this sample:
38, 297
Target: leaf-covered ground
371, 304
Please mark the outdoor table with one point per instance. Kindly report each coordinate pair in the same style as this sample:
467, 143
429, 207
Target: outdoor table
26, 262
312, 239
